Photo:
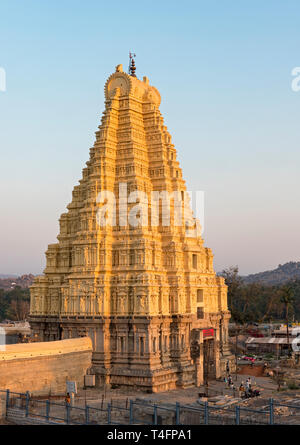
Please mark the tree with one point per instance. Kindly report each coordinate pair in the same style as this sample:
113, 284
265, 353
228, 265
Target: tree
234, 283
255, 301
14, 303
272, 303
287, 298
4, 304
19, 309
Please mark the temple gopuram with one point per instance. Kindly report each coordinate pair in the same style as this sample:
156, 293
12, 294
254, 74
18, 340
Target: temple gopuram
140, 284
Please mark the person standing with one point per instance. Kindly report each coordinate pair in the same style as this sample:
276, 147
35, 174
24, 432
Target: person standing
247, 387
68, 399
241, 390
249, 381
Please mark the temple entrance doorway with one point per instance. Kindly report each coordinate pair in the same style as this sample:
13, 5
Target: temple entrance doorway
209, 366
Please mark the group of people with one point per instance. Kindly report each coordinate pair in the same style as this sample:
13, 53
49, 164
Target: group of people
245, 391
228, 380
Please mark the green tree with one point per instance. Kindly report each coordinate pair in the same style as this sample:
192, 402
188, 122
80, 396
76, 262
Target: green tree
287, 298
4, 304
14, 303
234, 283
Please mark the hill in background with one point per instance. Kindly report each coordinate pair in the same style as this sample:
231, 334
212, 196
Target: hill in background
282, 274
10, 283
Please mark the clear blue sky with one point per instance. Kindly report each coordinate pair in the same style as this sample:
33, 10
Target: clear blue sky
224, 72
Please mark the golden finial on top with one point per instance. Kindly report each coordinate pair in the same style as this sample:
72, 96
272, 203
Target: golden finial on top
132, 67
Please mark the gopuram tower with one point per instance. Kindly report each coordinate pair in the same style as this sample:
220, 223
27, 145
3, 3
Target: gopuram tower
130, 269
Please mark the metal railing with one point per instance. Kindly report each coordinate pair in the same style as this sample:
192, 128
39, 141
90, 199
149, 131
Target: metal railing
147, 413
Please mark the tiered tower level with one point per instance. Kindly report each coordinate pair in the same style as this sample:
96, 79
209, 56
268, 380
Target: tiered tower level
148, 295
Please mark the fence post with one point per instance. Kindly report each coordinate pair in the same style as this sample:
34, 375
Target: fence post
47, 409
27, 404
108, 414
7, 399
87, 417
206, 413
237, 415
155, 415
130, 412
68, 412
177, 413
271, 411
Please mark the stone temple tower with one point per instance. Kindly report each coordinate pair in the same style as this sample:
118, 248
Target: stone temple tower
139, 283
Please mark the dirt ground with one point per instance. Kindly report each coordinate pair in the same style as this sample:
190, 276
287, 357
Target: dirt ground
266, 385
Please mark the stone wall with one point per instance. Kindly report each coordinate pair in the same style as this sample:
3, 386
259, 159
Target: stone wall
45, 367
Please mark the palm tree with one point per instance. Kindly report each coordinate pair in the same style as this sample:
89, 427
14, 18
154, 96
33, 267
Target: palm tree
287, 298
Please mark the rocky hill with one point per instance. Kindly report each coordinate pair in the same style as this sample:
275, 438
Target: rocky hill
23, 281
282, 274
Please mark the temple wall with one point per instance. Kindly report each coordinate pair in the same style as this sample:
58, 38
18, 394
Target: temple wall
44, 367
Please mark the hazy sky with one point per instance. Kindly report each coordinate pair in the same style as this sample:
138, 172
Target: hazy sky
223, 69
